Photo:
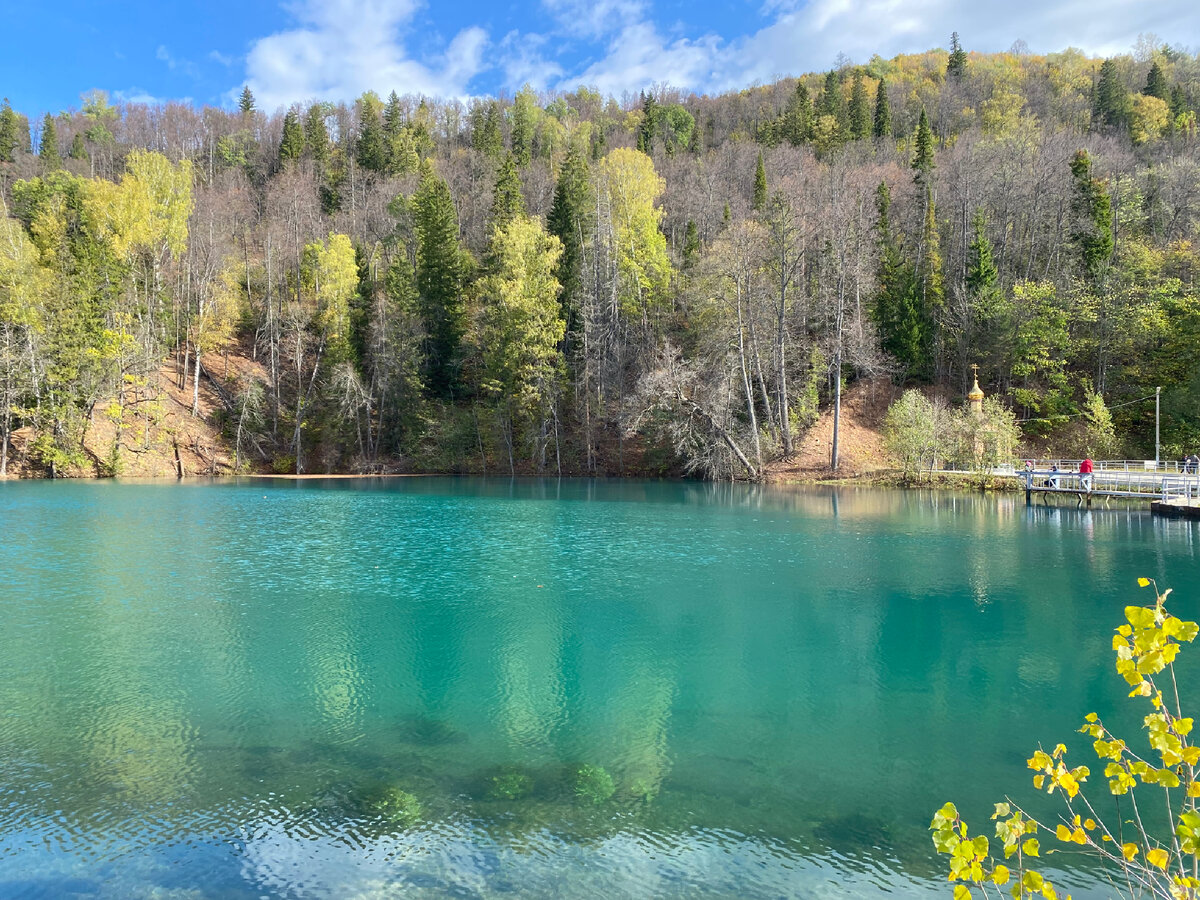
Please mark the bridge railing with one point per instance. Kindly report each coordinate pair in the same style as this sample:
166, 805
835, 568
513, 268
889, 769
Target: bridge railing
1156, 485
1167, 466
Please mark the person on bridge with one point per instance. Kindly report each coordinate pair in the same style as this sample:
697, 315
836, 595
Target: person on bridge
1085, 474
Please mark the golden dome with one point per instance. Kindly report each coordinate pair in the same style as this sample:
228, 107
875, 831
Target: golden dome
976, 392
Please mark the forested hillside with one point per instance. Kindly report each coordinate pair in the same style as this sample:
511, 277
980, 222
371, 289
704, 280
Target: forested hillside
582, 284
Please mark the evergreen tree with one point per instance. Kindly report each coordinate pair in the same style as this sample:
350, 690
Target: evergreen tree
830, 102
929, 269
1091, 206
860, 112
1156, 83
246, 102
797, 117
1111, 108
922, 161
691, 244
883, 113
520, 328
956, 65
393, 117
507, 200
1178, 102
649, 125
982, 273
48, 148
78, 148
439, 281
570, 220
523, 121
904, 330
485, 136
8, 132
979, 336
759, 201
370, 150
291, 146
316, 133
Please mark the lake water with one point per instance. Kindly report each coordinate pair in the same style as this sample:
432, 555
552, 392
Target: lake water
492, 688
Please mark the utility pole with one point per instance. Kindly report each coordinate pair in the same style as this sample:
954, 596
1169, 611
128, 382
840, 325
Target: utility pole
1157, 396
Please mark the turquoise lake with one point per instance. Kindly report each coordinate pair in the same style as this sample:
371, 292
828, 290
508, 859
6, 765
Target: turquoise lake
220, 690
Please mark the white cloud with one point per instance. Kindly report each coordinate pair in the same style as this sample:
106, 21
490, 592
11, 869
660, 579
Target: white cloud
173, 63
638, 57
143, 97
807, 36
340, 48
345, 47
595, 18
523, 64
218, 57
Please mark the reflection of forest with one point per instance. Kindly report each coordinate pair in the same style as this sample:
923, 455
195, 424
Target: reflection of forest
821, 666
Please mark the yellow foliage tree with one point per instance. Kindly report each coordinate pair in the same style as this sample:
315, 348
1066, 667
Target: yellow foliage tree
632, 187
1140, 859
1151, 117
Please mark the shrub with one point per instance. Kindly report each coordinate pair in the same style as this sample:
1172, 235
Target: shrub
1136, 860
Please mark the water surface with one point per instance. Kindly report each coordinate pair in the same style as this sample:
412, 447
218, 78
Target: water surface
213, 690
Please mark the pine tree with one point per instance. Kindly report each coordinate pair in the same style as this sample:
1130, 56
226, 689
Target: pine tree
649, 125
439, 281
393, 117
830, 102
291, 146
316, 133
883, 113
759, 200
8, 132
78, 148
1156, 83
929, 271
246, 102
982, 273
984, 309
523, 115
797, 117
860, 112
922, 162
1111, 108
370, 150
570, 220
48, 148
1178, 102
691, 244
956, 65
485, 136
1091, 206
507, 200
904, 330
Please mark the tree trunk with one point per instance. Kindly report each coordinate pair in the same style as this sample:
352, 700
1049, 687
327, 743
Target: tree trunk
746, 382
723, 434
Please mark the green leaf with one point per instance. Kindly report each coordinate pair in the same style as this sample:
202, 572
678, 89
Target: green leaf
1030, 847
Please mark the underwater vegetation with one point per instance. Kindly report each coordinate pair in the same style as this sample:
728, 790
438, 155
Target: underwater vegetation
395, 806
592, 784
509, 785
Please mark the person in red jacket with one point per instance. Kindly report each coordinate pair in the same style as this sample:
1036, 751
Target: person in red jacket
1085, 474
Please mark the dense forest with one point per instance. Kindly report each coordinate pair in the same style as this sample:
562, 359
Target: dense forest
579, 284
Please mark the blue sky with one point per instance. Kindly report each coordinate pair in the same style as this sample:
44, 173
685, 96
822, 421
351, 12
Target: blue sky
334, 49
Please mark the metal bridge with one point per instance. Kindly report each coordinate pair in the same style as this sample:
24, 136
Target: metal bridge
1171, 483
